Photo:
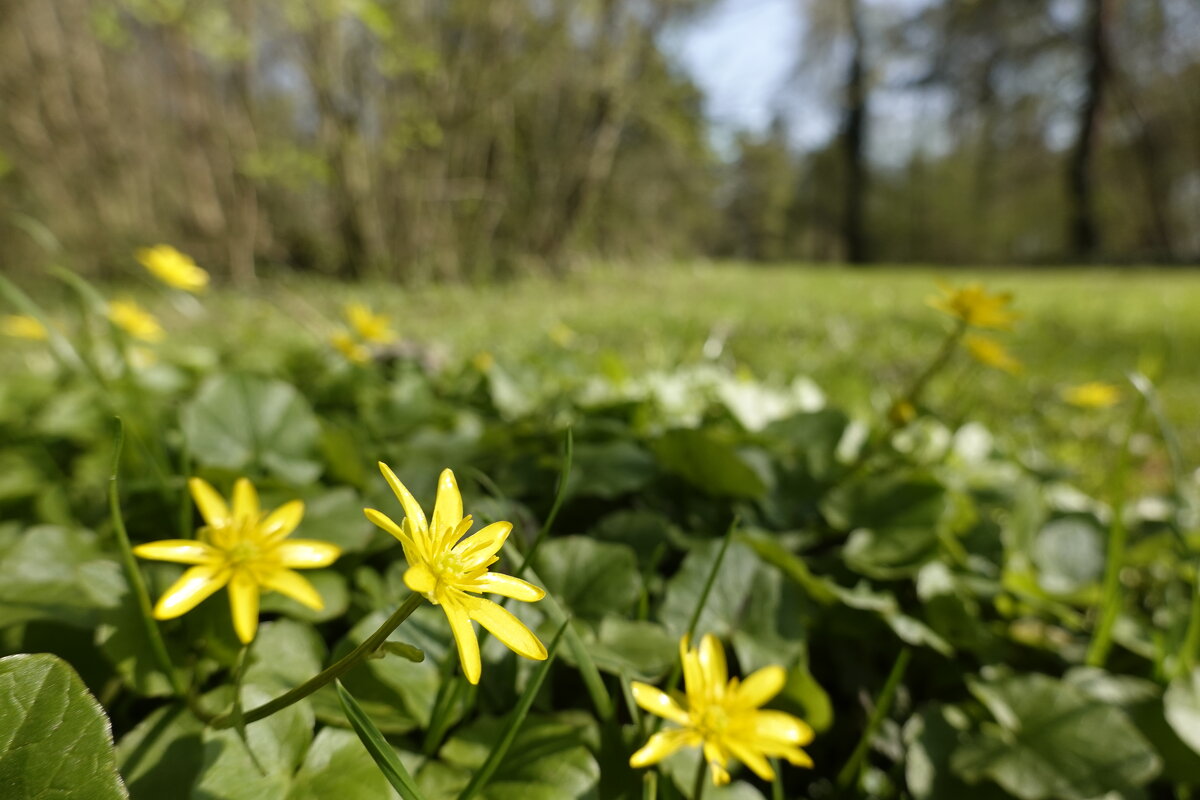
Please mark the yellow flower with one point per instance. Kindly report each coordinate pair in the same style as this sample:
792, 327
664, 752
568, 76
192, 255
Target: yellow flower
20, 326
243, 549
483, 361
991, 353
902, 412
452, 573
369, 326
173, 267
135, 320
561, 335
976, 306
1092, 395
348, 346
723, 716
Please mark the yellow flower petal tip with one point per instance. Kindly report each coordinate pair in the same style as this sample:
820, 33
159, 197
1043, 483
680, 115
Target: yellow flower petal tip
243, 548
1094, 394
723, 717
20, 326
991, 353
135, 321
173, 267
976, 306
450, 569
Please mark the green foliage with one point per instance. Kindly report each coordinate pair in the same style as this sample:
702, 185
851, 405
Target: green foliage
55, 740
858, 537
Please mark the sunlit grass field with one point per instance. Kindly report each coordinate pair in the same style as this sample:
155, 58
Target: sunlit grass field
859, 333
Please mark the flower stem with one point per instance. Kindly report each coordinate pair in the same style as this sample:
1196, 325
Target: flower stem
330, 673
701, 778
882, 705
1114, 560
137, 584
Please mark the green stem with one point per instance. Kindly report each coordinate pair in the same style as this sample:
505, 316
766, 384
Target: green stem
701, 779
883, 705
137, 584
1191, 640
1114, 559
559, 495
330, 673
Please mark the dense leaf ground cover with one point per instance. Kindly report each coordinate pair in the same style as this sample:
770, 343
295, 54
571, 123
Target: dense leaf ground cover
974, 587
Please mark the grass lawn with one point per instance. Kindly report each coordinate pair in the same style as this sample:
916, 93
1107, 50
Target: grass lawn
859, 333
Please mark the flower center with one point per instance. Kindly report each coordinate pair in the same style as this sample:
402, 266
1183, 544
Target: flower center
243, 552
713, 722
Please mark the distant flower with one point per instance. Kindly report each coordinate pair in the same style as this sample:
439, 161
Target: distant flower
135, 320
483, 361
369, 326
723, 716
991, 353
244, 549
452, 571
902, 412
350, 347
20, 326
561, 335
173, 267
976, 306
1094, 394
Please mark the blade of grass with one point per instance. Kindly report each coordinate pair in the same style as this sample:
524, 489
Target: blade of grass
1110, 604
60, 347
381, 752
560, 494
500, 750
137, 584
883, 704
650, 786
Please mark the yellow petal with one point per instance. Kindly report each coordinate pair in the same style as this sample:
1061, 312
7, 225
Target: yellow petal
283, 520
193, 586
211, 504
412, 509
448, 508
483, 544
384, 521
508, 586
243, 601
307, 553
245, 501
760, 687
720, 775
296, 586
180, 551
420, 579
661, 745
750, 757
712, 664
464, 637
505, 627
657, 702
780, 727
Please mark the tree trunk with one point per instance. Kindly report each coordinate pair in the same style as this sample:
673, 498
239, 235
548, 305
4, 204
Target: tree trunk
853, 143
1082, 234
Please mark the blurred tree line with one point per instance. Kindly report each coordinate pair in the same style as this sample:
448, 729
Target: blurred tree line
462, 139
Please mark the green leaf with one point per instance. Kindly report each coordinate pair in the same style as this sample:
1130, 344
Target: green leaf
555, 761
1069, 555
55, 740
733, 584
163, 754
381, 752
1054, 741
504, 741
610, 470
337, 768
931, 737
56, 574
1181, 704
589, 578
815, 437
637, 648
250, 424
709, 462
